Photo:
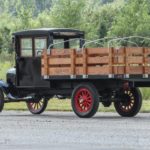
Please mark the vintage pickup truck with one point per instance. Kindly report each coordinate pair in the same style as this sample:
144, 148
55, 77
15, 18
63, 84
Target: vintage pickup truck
56, 62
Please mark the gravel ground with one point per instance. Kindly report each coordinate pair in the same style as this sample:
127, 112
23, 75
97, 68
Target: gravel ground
64, 131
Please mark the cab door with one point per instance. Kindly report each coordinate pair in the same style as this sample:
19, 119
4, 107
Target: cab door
29, 62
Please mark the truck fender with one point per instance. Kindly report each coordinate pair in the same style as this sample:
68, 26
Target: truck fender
4, 87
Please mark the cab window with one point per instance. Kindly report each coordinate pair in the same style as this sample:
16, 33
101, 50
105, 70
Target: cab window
74, 43
66, 43
40, 44
26, 47
58, 43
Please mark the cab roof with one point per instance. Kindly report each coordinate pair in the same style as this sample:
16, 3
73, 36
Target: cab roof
54, 31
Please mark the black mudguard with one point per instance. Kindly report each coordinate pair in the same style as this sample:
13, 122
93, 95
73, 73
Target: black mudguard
4, 87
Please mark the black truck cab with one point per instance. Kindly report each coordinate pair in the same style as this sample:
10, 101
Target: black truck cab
28, 47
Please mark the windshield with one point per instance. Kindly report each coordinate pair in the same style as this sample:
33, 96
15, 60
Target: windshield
66, 43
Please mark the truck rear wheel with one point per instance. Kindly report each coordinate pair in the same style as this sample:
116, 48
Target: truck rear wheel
37, 107
85, 100
130, 103
1, 100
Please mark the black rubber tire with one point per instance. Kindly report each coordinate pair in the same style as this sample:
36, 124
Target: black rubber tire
94, 98
1, 100
39, 111
136, 106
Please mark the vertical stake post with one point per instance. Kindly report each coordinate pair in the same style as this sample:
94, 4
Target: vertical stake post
73, 59
85, 71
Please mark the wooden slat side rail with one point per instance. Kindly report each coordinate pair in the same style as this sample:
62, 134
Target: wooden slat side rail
60, 52
147, 69
134, 60
42, 66
98, 51
147, 56
111, 50
125, 60
99, 70
147, 51
42, 61
134, 69
59, 71
98, 60
79, 70
58, 61
45, 68
118, 58
73, 57
144, 61
147, 60
134, 51
118, 53
85, 61
118, 70
79, 61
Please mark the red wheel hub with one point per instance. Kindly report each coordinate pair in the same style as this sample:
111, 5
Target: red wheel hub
83, 100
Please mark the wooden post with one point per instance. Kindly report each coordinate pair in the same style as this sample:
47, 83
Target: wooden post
125, 61
111, 50
85, 61
73, 57
45, 62
144, 61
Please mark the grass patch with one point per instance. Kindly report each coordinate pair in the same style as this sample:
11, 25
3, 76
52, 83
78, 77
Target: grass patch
65, 105
6, 62
3, 69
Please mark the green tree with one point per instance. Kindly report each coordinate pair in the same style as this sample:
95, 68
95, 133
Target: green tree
108, 13
66, 13
42, 20
133, 19
97, 18
7, 26
25, 13
90, 19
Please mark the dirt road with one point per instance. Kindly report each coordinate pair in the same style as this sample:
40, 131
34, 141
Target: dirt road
65, 131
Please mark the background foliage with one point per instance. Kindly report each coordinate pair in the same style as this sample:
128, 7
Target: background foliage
98, 18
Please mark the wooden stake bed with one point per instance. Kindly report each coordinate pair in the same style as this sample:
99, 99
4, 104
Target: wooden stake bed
96, 61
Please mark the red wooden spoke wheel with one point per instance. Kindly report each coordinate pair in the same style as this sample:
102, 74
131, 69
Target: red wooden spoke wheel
85, 100
130, 103
37, 107
1, 100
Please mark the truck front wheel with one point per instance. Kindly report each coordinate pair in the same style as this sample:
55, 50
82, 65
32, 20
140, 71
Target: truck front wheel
37, 107
129, 103
85, 100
